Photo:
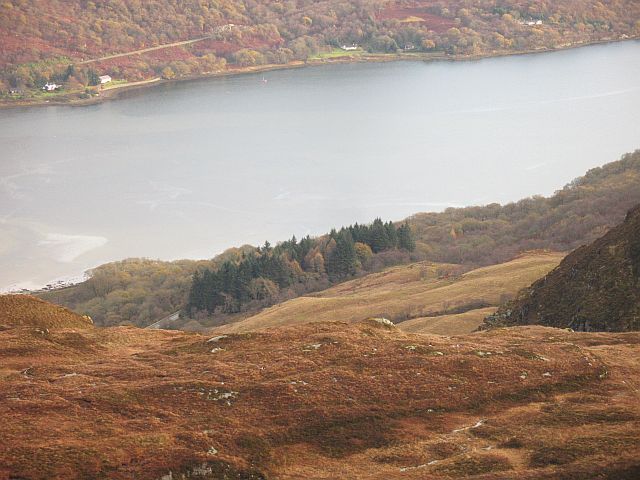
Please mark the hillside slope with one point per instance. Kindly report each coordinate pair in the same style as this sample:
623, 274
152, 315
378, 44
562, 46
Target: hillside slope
575, 215
140, 292
422, 291
326, 400
26, 310
595, 288
448, 324
41, 40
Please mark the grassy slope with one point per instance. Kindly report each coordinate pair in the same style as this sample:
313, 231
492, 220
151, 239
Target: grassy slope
411, 291
25, 310
141, 292
318, 401
452, 324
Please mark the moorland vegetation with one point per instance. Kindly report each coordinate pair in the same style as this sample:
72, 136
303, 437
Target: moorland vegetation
326, 400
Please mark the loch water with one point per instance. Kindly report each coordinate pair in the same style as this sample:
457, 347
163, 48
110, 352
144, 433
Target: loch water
188, 169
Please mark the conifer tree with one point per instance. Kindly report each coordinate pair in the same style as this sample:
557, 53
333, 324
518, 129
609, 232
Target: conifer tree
405, 238
379, 237
392, 234
343, 260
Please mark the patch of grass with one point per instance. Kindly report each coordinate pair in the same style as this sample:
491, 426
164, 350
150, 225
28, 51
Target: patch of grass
398, 459
475, 465
336, 53
575, 415
256, 449
339, 437
488, 432
445, 449
526, 354
512, 442
26, 310
580, 447
553, 455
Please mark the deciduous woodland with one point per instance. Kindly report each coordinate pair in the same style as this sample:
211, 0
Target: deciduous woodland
141, 291
71, 43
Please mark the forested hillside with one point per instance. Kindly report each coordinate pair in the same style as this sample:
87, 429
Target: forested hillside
135, 290
142, 291
268, 275
60, 41
576, 215
242, 279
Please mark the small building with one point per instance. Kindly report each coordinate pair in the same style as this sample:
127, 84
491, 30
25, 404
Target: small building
50, 87
352, 47
530, 23
104, 79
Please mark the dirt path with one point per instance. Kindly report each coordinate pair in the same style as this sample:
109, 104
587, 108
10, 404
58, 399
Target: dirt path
216, 31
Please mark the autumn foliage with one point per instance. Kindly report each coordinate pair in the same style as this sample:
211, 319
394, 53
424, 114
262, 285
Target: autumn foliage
141, 291
42, 40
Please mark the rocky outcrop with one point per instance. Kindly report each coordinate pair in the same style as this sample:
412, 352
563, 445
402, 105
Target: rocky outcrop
595, 288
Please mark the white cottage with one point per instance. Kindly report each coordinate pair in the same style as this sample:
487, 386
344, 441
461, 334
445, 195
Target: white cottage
104, 79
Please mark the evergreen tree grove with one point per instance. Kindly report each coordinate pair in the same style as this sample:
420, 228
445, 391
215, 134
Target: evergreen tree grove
256, 278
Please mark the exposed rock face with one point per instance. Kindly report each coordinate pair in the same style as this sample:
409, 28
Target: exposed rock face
595, 288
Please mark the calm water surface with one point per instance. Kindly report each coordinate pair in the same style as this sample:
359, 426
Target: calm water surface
186, 170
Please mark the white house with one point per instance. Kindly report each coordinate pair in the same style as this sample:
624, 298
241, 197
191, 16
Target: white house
104, 79
50, 87
352, 47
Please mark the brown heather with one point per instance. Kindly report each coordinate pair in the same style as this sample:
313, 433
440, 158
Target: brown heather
323, 400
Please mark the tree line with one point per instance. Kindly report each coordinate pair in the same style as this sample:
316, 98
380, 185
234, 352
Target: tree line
139, 291
42, 39
257, 277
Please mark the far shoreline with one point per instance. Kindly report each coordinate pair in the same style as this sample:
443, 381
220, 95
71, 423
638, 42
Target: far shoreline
117, 91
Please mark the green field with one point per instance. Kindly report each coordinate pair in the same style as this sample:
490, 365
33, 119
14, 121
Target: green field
336, 53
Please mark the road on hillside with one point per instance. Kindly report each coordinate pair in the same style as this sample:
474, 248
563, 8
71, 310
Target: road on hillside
223, 28
164, 322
